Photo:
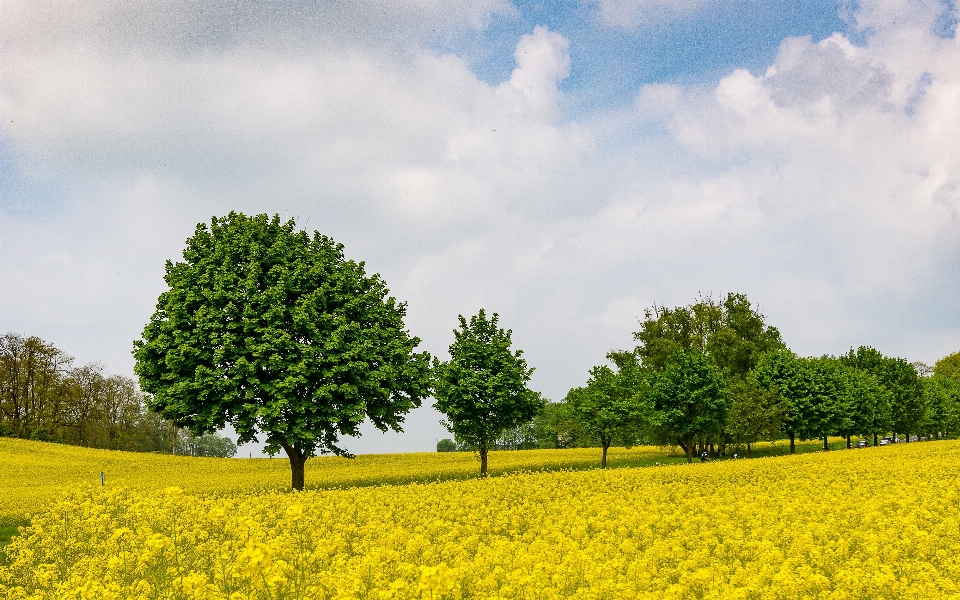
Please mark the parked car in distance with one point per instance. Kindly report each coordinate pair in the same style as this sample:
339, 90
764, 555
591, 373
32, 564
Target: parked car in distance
885, 441
863, 444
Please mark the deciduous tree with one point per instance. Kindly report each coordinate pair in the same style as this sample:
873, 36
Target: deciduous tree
907, 405
948, 366
482, 389
274, 331
732, 332
755, 413
610, 406
689, 398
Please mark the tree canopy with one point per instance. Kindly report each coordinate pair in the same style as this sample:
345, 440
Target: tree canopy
731, 332
689, 398
948, 366
274, 331
755, 412
900, 378
482, 389
610, 406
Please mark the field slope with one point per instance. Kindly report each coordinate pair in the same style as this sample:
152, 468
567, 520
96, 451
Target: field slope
33, 474
875, 523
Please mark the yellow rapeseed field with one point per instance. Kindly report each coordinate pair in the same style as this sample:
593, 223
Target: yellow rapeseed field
33, 474
874, 523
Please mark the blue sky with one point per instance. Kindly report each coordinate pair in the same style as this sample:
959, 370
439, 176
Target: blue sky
612, 62
565, 164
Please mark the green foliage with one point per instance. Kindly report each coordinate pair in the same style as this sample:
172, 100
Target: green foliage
867, 404
446, 445
521, 437
610, 406
208, 444
907, 404
948, 366
689, 398
43, 398
813, 393
482, 389
942, 396
555, 427
731, 332
275, 332
755, 412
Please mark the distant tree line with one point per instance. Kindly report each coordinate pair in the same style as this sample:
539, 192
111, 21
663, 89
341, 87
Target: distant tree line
44, 397
713, 374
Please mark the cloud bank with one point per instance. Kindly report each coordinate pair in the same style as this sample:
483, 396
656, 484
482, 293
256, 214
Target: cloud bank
827, 187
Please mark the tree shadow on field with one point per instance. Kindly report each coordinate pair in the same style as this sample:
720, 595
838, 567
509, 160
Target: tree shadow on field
7, 532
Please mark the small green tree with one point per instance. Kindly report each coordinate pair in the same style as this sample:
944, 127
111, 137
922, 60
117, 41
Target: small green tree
273, 331
208, 444
689, 398
610, 406
755, 413
555, 427
446, 445
482, 389
948, 366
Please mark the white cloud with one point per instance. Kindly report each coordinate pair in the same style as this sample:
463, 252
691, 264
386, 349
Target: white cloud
826, 188
841, 165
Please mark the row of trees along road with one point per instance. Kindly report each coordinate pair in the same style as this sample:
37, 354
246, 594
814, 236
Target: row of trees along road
43, 397
714, 373
275, 332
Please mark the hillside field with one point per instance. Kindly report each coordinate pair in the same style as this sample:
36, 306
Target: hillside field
34, 474
872, 523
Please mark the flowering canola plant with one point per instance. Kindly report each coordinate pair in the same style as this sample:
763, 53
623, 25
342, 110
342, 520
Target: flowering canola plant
874, 523
33, 474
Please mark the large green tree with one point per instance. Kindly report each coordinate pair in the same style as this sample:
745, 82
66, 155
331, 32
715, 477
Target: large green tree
811, 391
732, 332
482, 389
272, 330
610, 406
867, 405
33, 398
688, 398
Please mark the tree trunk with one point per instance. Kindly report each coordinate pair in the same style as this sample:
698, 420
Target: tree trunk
483, 461
603, 462
712, 453
297, 460
826, 444
876, 439
688, 447
848, 443
793, 446
906, 438
748, 449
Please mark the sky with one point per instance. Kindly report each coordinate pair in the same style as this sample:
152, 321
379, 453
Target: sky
565, 164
